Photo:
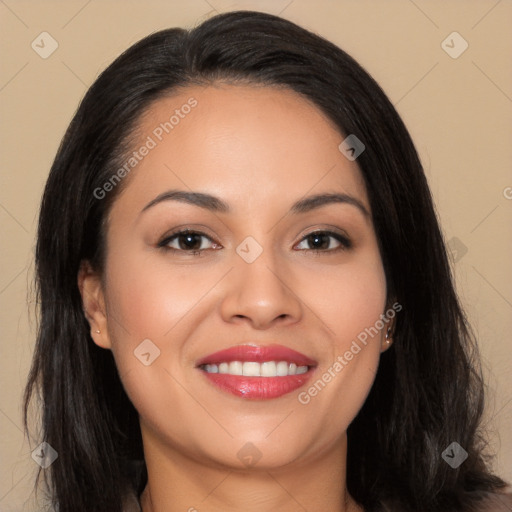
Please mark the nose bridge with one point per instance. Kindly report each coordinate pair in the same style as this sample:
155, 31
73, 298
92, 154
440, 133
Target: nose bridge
259, 288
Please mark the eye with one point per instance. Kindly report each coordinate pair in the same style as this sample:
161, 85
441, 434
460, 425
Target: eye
187, 241
195, 242
322, 241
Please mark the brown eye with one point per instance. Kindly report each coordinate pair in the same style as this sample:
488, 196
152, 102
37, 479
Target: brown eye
322, 241
187, 241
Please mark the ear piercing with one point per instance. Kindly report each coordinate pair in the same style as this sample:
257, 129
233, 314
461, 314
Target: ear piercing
388, 332
98, 332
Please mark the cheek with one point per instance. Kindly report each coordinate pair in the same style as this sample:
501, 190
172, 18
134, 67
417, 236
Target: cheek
351, 304
349, 298
150, 298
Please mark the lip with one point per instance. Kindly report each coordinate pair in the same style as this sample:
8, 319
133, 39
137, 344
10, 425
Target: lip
258, 388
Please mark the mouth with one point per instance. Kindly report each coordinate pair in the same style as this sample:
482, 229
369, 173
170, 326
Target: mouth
257, 372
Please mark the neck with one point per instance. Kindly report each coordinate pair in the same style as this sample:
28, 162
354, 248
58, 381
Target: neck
180, 483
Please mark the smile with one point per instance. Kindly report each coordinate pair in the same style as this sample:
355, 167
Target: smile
257, 372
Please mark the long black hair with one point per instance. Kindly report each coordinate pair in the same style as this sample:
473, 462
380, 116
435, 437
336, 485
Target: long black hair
428, 391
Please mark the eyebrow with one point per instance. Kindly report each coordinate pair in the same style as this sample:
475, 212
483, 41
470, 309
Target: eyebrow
214, 204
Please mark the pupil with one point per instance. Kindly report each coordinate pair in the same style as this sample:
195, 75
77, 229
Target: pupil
190, 241
317, 241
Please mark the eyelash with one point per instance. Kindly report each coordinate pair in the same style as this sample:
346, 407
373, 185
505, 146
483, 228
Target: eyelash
345, 243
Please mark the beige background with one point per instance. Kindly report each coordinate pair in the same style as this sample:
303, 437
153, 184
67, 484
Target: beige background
458, 112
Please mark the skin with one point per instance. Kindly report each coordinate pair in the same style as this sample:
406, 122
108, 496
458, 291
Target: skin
259, 149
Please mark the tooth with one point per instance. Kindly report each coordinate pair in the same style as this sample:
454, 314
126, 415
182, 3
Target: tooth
254, 369
268, 369
282, 369
251, 369
235, 368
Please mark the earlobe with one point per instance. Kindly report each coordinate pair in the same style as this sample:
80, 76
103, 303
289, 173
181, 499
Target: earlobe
93, 301
393, 307
388, 339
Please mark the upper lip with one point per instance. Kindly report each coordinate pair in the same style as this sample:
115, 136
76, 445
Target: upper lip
258, 354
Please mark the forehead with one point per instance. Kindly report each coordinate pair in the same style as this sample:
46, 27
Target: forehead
249, 144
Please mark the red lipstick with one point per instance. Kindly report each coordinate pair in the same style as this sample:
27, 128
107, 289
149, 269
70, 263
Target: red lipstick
271, 371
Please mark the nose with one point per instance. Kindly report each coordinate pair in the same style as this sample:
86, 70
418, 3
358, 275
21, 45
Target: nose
261, 293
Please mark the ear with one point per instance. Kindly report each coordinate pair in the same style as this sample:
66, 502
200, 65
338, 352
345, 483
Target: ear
389, 328
93, 301
387, 336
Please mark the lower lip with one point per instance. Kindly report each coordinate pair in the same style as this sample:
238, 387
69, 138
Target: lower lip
258, 388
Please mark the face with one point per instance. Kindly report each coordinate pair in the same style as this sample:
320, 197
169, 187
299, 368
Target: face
265, 272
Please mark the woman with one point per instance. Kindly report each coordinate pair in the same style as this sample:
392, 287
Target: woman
245, 296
